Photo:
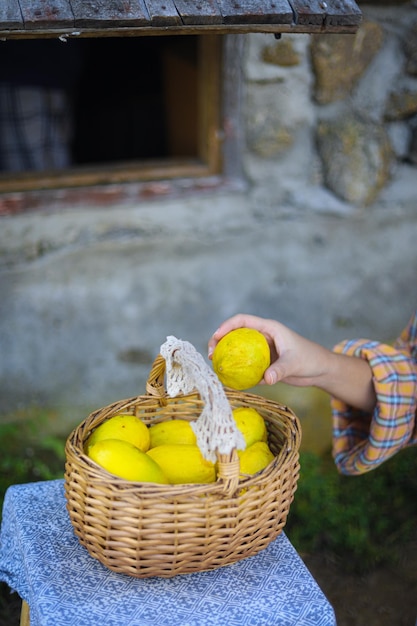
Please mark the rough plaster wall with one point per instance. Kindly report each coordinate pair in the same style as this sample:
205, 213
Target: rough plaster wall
81, 325
88, 296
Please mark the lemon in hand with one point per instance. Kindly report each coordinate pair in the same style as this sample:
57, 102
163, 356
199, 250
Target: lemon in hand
171, 431
251, 424
125, 460
255, 458
241, 358
125, 427
183, 464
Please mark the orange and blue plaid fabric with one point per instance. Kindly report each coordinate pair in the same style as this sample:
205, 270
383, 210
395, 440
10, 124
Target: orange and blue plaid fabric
363, 441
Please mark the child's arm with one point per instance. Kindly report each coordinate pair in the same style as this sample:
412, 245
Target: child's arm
298, 361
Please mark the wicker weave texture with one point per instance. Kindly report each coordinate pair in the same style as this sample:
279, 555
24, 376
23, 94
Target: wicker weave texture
146, 530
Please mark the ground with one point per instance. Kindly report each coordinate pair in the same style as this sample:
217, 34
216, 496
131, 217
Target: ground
386, 596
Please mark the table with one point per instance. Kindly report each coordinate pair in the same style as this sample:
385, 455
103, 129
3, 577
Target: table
41, 559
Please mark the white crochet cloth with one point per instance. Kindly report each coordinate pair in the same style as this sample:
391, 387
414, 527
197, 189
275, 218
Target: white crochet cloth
186, 371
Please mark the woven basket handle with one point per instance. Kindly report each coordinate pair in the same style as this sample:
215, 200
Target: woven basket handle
217, 434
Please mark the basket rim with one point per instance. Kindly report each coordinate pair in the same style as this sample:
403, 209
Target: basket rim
75, 441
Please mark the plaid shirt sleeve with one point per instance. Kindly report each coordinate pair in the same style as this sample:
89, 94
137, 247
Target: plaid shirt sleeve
363, 441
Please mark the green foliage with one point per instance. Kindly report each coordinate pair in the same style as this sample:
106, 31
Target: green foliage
24, 457
360, 519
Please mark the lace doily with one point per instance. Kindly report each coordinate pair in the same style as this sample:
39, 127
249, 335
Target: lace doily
186, 371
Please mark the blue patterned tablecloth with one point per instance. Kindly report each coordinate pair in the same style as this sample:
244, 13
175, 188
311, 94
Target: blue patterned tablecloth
41, 559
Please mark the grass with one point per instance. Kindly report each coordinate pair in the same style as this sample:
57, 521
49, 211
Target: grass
25, 458
363, 520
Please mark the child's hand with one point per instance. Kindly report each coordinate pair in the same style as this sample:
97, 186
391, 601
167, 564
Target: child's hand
294, 359
300, 362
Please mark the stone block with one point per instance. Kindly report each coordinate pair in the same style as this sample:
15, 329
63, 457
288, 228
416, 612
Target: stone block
339, 61
356, 157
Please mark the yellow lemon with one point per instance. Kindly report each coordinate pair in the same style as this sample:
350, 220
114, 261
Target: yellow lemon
125, 427
183, 464
241, 358
255, 458
125, 460
172, 431
251, 424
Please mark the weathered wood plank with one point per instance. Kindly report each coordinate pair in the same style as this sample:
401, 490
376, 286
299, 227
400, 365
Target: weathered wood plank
199, 11
256, 11
163, 13
38, 14
340, 12
327, 12
10, 15
309, 11
115, 13
43, 18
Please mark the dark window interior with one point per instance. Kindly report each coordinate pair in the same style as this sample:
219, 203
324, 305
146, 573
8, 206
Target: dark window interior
124, 96
130, 98
119, 102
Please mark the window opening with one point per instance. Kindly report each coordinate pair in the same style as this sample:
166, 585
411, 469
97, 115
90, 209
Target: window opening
118, 109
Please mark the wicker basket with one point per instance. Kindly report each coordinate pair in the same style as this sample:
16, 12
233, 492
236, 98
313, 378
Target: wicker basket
148, 530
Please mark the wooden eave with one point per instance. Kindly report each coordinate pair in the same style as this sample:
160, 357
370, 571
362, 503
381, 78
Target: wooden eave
87, 18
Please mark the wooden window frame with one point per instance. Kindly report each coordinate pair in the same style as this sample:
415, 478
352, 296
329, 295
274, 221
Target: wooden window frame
216, 166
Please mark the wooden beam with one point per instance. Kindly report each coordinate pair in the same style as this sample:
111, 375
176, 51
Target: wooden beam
158, 31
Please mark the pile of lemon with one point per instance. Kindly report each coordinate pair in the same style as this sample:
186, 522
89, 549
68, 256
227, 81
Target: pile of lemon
167, 452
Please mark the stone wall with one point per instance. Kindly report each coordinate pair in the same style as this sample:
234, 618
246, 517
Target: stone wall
353, 96
323, 237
